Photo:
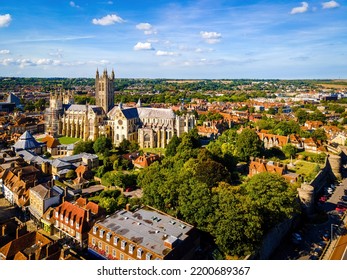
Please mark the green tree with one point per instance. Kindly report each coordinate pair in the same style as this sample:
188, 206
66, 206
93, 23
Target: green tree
286, 128
83, 147
71, 174
289, 150
236, 225
319, 134
302, 116
102, 144
248, 144
171, 147
273, 197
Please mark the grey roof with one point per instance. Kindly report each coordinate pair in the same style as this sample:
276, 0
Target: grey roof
26, 142
32, 157
155, 113
144, 112
83, 108
60, 163
130, 113
148, 228
13, 99
45, 192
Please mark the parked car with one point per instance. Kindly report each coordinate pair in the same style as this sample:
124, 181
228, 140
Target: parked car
341, 206
296, 238
345, 192
344, 198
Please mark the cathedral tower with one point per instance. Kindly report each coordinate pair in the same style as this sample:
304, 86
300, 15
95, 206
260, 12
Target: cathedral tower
104, 90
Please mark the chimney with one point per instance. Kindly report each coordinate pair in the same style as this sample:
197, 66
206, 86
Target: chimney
89, 214
3, 230
47, 250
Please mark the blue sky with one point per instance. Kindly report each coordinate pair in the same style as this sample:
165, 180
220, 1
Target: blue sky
174, 39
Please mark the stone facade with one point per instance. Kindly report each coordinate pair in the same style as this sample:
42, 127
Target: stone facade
150, 127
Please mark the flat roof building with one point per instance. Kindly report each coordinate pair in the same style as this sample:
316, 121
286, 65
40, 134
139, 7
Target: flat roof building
145, 234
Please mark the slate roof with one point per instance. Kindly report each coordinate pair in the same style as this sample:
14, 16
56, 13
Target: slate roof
83, 108
26, 142
155, 113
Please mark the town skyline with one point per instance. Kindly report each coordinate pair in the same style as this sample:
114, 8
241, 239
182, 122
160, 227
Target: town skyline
175, 39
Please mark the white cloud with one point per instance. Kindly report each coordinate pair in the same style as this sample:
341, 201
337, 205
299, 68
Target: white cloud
211, 37
25, 62
108, 20
73, 4
5, 20
299, 10
330, 5
146, 27
165, 53
5, 52
143, 46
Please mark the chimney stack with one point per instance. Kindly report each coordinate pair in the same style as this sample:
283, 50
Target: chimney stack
3, 230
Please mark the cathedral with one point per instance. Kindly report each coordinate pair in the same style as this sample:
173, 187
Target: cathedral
149, 127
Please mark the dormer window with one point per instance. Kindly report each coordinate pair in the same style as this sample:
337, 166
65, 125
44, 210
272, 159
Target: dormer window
66, 219
123, 244
57, 214
115, 240
77, 225
61, 217
101, 233
71, 222
108, 236
139, 253
131, 248
148, 256
95, 229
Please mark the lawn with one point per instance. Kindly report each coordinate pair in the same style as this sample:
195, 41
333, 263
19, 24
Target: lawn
305, 168
68, 140
154, 150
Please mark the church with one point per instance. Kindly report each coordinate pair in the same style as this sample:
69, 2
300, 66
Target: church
149, 127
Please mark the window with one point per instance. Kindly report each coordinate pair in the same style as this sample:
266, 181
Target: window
121, 256
57, 215
95, 229
106, 249
93, 241
71, 222
61, 217
148, 256
114, 253
57, 223
77, 225
123, 244
139, 253
66, 219
78, 235
108, 236
100, 245
115, 240
131, 248
101, 233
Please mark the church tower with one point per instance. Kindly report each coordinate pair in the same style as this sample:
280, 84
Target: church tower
104, 90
